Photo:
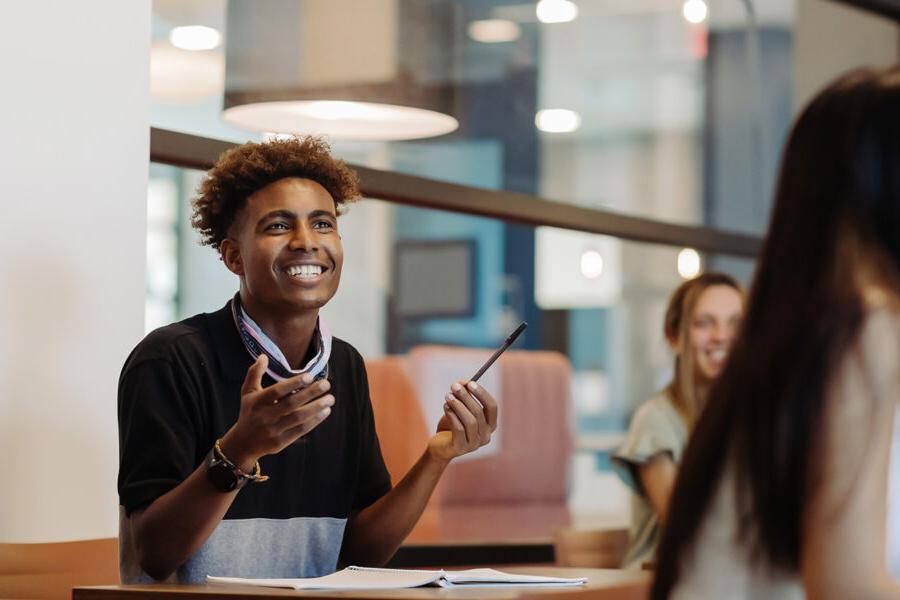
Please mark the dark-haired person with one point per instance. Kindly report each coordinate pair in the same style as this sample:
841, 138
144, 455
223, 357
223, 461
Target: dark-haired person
700, 324
783, 490
247, 441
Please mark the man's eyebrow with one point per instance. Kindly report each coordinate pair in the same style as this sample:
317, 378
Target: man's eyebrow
275, 214
321, 213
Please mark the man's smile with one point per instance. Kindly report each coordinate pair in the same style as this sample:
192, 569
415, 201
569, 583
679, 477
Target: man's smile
306, 273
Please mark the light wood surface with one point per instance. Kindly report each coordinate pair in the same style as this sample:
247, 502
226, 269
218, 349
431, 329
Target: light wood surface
48, 571
603, 584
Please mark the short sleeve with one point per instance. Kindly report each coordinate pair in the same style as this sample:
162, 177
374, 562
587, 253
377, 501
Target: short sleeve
374, 481
158, 432
654, 429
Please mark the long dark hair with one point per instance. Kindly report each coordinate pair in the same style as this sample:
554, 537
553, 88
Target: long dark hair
676, 327
839, 190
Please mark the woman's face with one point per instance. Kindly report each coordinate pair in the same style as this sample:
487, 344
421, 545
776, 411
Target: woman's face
714, 322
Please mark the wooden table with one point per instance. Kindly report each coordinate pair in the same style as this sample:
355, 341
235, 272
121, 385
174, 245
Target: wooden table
603, 584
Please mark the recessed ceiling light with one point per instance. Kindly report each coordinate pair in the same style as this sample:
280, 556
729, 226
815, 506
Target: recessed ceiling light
556, 11
688, 263
557, 120
695, 11
493, 31
195, 37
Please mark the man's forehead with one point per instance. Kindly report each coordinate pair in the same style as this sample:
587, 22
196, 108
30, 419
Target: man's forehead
295, 194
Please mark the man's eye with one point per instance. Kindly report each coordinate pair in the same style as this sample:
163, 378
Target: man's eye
277, 226
323, 225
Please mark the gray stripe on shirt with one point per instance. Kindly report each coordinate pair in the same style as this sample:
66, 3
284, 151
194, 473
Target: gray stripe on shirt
258, 548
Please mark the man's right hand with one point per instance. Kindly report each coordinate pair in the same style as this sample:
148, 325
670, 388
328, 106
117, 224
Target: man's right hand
274, 417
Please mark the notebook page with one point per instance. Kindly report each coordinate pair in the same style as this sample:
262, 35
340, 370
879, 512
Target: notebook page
351, 578
493, 577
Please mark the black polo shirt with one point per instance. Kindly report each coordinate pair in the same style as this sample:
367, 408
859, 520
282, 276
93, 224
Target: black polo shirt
179, 391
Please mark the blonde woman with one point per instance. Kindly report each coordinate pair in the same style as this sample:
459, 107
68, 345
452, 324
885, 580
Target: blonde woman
700, 324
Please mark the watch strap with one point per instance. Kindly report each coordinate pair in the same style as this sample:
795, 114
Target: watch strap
226, 475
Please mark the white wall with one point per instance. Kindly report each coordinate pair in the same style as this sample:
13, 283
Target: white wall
73, 162
832, 38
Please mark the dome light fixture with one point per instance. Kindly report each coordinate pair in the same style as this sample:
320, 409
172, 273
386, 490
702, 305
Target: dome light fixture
311, 82
341, 119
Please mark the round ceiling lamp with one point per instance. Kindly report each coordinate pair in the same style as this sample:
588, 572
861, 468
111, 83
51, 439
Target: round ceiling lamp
292, 75
341, 119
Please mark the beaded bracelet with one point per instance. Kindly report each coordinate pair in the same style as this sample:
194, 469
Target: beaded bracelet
256, 477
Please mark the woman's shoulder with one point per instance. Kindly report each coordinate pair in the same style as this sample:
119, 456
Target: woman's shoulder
655, 427
657, 409
877, 346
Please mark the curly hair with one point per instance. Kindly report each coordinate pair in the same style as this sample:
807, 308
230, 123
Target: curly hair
243, 170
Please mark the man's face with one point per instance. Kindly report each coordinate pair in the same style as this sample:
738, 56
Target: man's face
284, 244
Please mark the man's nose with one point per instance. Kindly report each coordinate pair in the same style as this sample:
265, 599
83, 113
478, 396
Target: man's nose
303, 239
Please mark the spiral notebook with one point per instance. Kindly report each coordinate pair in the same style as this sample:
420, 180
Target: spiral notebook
366, 578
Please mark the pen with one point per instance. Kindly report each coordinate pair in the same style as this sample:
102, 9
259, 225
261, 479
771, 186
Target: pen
512, 337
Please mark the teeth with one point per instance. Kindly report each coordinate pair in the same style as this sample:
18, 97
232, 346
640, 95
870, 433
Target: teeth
303, 271
718, 354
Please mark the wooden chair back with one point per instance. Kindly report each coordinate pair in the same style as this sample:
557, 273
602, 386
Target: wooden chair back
601, 549
49, 571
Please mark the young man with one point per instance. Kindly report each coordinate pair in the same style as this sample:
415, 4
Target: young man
247, 441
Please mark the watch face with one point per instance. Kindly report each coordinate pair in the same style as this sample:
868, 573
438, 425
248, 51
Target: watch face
222, 477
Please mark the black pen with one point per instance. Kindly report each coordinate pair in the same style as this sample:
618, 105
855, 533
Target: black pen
512, 337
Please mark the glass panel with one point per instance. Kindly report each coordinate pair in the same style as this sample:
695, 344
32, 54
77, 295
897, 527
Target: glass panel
655, 115
163, 199
597, 301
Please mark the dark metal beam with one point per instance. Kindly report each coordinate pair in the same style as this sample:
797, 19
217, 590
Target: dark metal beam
185, 150
885, 8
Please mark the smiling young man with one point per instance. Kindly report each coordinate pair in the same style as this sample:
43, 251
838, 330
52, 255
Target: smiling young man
247, 441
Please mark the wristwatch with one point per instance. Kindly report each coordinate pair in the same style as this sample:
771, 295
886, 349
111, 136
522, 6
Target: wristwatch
227, 476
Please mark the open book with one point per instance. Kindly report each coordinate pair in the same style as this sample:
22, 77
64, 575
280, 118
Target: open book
365, 578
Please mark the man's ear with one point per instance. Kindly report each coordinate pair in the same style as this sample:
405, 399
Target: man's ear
231, 256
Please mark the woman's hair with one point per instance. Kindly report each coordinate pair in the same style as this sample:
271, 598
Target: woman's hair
676, 327
838, 201
243, 170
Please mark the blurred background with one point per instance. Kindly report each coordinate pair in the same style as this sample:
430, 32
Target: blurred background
669, 110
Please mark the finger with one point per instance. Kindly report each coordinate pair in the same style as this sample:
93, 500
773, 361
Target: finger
253, 379
454, 425
487, 401
292, 386
469, 423
473, 405
292, 435
298, 414
304, 420
298, 397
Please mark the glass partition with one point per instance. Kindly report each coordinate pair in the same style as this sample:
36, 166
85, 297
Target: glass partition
664, 109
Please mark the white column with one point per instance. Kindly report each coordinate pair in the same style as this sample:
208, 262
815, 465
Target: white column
74, 118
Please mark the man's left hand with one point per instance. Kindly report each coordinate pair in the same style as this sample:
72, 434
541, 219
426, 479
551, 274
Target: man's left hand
470, 417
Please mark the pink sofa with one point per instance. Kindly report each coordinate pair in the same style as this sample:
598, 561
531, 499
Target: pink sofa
526, 471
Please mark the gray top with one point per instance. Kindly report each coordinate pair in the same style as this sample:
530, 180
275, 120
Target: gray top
656, 427
256, 548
